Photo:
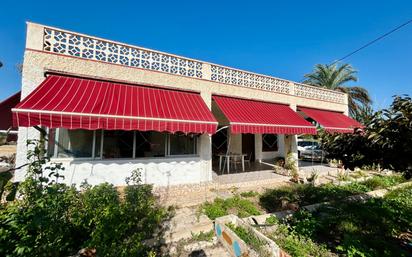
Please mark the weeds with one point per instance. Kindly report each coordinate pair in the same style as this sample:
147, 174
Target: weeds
249, 194
203, 236
250, 239
234, 205
273, 199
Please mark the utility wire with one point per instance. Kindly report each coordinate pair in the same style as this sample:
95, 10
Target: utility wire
373, 41
370, 43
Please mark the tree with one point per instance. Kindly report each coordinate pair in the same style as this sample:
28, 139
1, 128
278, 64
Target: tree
386, 140
335, 77
391, 130
364, 115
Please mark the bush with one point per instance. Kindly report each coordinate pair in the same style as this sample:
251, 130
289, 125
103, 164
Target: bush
294, 244
52, 219
303, 223
386, 140
370, 228
250, 239
249, 194
380, 182
274, 199
234, 205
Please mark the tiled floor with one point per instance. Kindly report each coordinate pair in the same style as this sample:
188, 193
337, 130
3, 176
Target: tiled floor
247, 176
265, 171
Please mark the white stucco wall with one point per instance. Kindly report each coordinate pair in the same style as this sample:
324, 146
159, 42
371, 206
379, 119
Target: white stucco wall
260, 155
160, 172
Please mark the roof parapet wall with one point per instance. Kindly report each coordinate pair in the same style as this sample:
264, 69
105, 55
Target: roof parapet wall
58, 41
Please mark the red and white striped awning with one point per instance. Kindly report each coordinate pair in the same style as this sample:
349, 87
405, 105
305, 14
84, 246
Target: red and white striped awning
257, 117
332, 121
82, 103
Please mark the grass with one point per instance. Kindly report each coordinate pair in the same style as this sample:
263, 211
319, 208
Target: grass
370, 228
249, 194
250, 239
235, 205
251, 203
294, 243
273, 199
203, 236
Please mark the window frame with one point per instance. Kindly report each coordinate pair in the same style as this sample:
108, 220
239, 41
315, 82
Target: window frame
100, 157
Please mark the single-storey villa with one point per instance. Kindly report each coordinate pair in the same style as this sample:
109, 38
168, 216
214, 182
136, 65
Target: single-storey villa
110, 108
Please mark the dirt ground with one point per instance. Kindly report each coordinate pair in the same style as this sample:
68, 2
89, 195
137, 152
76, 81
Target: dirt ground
7, 149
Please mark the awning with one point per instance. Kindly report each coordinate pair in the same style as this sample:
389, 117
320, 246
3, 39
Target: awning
256, 117
332, 121
6, 117
81, 103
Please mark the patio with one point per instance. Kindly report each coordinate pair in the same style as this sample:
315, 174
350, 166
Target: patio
264, 170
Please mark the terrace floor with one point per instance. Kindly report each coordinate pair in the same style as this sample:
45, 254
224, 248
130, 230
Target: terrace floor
265, 171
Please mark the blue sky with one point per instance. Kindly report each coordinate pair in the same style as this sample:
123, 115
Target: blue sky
280, 38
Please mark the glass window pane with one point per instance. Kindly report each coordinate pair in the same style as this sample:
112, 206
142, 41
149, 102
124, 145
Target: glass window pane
181, 144
269, 142
75, 143
51, 142
117, 144
150, 144
98, 147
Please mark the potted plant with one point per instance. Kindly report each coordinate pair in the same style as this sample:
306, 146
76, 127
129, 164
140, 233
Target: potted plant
313, 178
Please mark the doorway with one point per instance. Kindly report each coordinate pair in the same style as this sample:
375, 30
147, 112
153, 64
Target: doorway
248, 145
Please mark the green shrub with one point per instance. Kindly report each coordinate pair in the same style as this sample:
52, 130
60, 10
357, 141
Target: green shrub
234, 205
303, 223
214, 209
379, 182
296, 245
271, 220
250, 239
369, 228
52, 219
249, 194
272, 199
385, 141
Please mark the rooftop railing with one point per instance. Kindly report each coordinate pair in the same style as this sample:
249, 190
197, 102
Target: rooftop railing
92, 48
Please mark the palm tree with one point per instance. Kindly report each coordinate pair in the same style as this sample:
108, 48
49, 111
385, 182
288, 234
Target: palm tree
333, 76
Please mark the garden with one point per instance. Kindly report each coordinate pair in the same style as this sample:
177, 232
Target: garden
375, 227
339, 223
49, 218
340, 226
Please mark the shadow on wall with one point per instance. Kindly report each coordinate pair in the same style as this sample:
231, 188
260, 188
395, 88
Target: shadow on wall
159, 173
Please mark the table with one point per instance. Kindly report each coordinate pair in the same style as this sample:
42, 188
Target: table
227, 157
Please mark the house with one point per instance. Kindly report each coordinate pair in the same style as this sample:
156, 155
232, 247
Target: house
110, 108
6, 119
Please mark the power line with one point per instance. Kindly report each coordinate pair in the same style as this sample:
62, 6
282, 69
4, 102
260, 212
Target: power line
373, 41
370, 43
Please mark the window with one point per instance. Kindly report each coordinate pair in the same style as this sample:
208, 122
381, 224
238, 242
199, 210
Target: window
150, 144
181, 144
269, 142
51, 142
76, 143
115, 144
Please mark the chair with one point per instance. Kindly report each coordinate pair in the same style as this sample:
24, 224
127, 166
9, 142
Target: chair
248, 159
235, 159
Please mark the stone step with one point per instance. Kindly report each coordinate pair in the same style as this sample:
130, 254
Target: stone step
177, 235
199, 249
187, 221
